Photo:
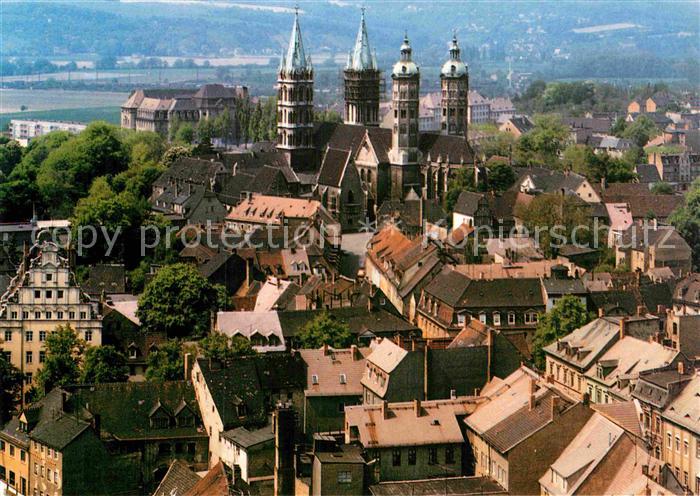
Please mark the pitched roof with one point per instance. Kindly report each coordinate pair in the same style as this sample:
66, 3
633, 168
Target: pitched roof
524, 292
525, 421
333, 167
332, 372
214, 482
246, 324
584, 345
463, 486
623, 413
583, 454
448, 286
58, 432
647, 173
360, 321
177, 481
468, 202
249, 437
387, 355
685, 408
378, 425
514, 270
129, 418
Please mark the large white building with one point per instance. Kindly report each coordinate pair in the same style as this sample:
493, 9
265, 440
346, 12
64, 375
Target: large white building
24, 130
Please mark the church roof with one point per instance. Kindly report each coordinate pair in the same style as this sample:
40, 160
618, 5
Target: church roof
361, 57
296, 59
405, 67
454, 67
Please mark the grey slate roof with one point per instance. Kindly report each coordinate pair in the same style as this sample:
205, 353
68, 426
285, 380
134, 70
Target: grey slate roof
58, 432
178, 480
246, 438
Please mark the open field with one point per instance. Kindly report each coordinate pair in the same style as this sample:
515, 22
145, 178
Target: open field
109, 114
12, 100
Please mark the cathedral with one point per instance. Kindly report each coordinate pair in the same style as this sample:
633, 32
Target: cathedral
355, 167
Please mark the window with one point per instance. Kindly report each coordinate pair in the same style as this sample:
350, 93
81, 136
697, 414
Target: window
668, 440
482, 318
341, 407
686, 447
42, 336
59, 294
71, 315
343, 379
37, 293
314, 379
13, 315
48, 474
344, 477
23, 455
511, 318
29, 357
411, 456
396, 457
29, 336
49, 277
59, 315
12, 450
8, 335
49, 294
37, 315
3, 473
55, 476
432, 456
42, 356
12, 480
678, 444
496, 319
49, 315
88, 335
449, 455
83, 315
36, 469
164, 449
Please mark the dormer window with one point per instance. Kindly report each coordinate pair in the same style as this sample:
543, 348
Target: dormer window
343, 379
314, 379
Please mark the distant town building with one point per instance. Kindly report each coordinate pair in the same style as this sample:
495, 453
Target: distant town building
157, 109
25, 130
43, 296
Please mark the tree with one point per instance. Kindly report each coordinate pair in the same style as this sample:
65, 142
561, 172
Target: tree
553, 218
567, 315
662, 188
501, 144
174, 153
223, 300
185, 134
542, 144
10, 156
501, 176
220, 347
641, 131
178, 300
686, 220
325, 330
62, 363
10, 388
167, 363
463, 180
104, 364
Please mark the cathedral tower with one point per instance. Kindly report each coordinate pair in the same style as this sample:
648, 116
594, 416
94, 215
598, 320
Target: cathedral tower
362, 80
403, 156
454, 81
295, 103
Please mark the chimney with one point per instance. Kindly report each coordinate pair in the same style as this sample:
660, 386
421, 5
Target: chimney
681, 368
531, 402
385, 409
641, 310
353, 352
623, 327
326, 351
601, 312
586, 399
188, 366
489, 352
533, 388
426, 351
417, 408
556, 401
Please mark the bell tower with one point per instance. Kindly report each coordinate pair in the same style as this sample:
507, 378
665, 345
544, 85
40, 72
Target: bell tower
295, 103
362, 82
454, 82
403, 156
